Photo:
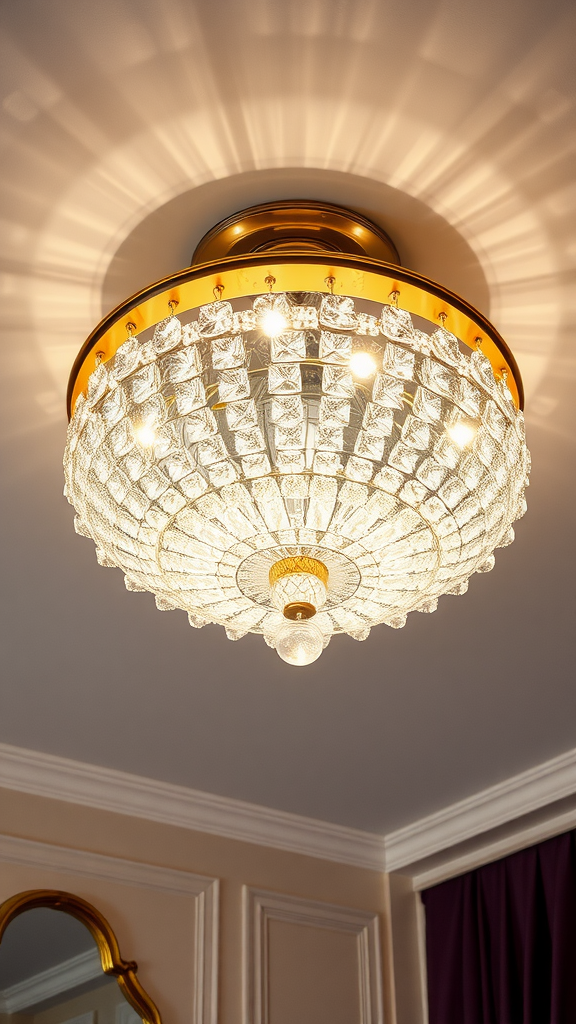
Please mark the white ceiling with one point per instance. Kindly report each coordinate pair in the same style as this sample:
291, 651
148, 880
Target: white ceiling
127, 128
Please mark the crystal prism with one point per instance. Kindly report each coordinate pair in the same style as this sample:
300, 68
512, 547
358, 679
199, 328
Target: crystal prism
189, 396
330, 439
211, 450
249, 441
388, 392
398, 362
127, 359
337, 311
396, 323
241, 415
167, 335
199, 425
228, 353
288, 347
359, 469
256, 465
427, 406
290, 461
290, 437
334, 412
142, 384
284, 379
337, 381
215, 319
233, 385
444, 345
287, 411
335, 348
370, 445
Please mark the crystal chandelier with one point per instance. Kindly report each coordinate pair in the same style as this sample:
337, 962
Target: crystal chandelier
295, 436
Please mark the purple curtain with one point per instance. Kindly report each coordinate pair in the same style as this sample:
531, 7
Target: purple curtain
501, 940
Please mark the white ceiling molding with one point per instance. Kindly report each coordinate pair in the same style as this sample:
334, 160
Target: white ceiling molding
205, 891
514, 797
488, 851
89, 785
52, 982
75, 782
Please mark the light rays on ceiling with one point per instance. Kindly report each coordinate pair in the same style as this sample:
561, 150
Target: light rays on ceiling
185, 101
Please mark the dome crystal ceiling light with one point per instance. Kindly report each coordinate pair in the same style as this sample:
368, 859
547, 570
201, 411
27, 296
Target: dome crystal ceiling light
295, 436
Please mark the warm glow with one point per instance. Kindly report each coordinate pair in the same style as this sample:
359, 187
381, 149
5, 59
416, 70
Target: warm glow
321, 486
145, 435
274, 323
462, 433
299, 642
362, 364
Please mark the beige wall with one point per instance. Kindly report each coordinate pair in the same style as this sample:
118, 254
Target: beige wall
157, 928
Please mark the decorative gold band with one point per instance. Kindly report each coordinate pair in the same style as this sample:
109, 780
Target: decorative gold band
236, 277
298, 563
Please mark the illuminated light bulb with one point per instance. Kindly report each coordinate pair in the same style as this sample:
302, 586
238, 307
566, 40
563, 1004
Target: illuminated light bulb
145, 434
462, 433
274, 323
299, 642
362, 364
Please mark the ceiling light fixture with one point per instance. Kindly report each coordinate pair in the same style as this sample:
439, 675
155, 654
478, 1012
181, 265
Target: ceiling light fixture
295, 436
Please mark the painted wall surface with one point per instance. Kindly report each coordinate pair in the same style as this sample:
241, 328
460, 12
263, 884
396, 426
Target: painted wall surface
156, 928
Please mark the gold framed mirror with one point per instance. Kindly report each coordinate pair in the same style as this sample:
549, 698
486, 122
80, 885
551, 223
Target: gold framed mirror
41, 983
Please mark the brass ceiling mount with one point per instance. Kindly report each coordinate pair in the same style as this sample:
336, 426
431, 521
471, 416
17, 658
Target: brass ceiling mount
295, 225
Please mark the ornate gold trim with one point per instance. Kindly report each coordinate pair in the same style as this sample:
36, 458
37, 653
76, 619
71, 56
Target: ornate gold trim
232, 278
295, 225
298, 563
112, 963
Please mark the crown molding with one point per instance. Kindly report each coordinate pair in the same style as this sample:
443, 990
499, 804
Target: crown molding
59, 778
52, 982
488, 851
107, 789
490, 808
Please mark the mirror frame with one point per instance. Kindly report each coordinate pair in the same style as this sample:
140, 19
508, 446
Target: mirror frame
112, 963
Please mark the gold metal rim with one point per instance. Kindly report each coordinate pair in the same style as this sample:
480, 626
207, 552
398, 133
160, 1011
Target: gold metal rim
295, 225
299, 610
295, 564
112, 963
232, 278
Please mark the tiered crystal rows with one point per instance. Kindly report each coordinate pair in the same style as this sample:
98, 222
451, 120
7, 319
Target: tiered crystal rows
204, 454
